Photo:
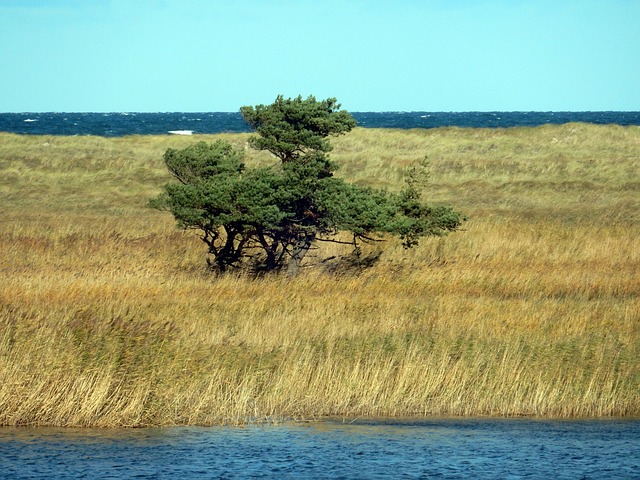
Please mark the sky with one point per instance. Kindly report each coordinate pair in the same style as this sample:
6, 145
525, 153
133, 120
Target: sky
372, 55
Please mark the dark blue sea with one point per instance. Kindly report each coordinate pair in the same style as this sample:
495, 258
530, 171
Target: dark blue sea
424, 449
130, 123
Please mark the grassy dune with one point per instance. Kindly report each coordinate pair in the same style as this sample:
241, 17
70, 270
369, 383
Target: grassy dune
108, 318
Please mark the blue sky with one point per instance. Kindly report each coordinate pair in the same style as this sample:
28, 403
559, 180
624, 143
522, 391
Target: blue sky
373, 55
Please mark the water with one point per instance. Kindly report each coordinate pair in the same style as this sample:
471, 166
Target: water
119, 124
445, 449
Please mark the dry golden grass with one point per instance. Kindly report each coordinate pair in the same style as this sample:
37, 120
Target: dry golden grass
108, 318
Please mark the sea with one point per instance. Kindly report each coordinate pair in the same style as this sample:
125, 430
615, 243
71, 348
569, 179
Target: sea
119, 124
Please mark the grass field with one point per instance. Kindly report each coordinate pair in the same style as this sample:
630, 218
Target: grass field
109, 318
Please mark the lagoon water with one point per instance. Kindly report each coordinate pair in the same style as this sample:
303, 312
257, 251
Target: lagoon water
432, 448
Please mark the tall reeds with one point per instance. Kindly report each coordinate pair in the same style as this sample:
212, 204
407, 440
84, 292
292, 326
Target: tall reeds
109, 318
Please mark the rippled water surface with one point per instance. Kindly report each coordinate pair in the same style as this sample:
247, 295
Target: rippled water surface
479, 448
132, 123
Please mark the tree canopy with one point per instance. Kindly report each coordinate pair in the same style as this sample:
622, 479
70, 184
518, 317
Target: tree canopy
291, 128
268, 218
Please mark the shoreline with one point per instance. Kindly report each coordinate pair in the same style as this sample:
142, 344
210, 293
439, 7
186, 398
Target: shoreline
337, 420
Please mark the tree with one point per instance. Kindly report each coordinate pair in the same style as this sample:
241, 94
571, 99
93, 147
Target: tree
268, 218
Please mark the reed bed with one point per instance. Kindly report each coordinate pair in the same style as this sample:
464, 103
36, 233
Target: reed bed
109, 318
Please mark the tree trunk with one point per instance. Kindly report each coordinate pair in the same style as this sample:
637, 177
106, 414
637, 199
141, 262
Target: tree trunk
270, 249
299, 251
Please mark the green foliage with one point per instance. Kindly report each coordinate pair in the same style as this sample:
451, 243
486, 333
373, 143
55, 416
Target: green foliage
291, 128
202, 161
415, 219
268, 218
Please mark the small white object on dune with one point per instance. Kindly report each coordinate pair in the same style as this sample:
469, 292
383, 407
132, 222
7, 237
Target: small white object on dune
181, 132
